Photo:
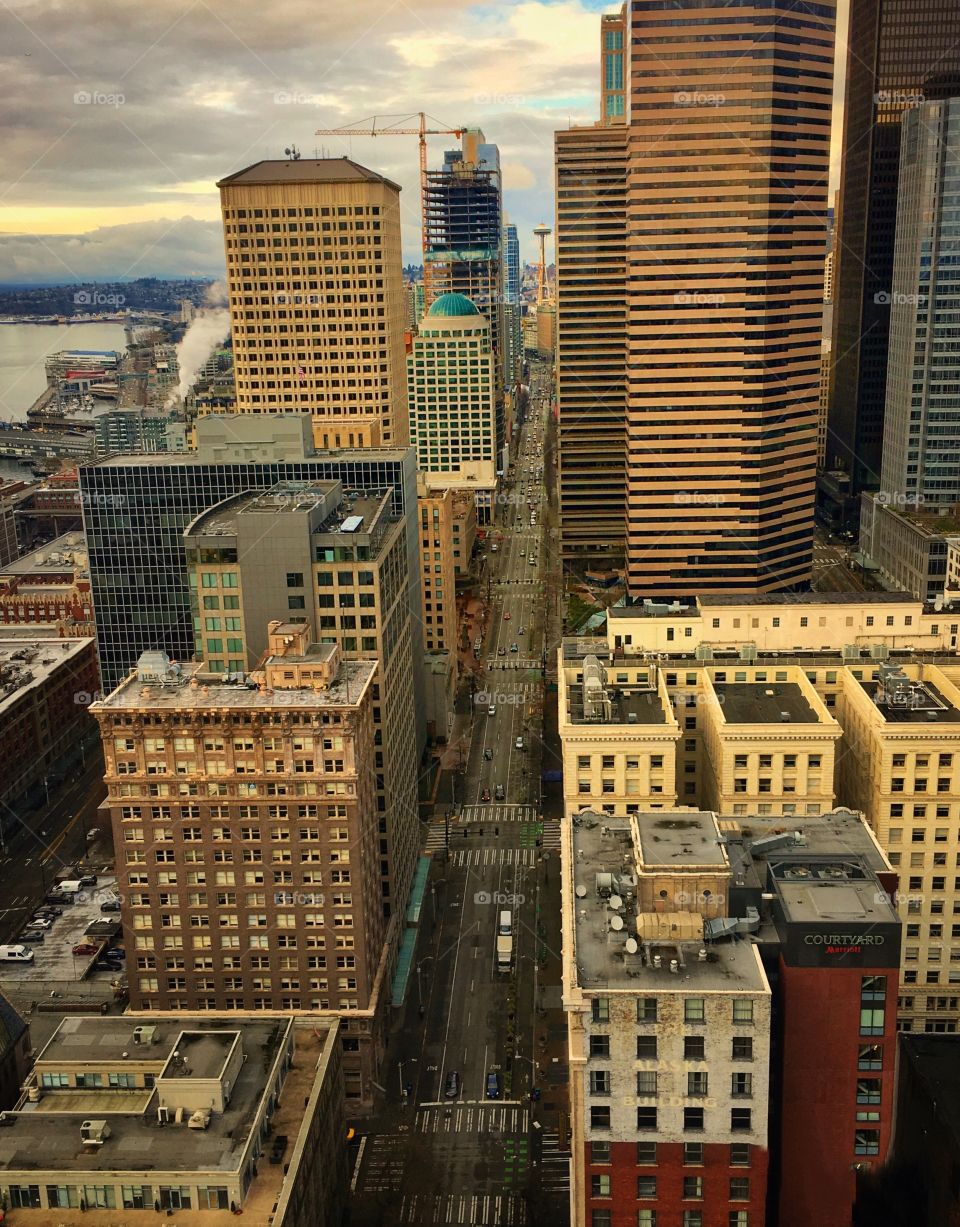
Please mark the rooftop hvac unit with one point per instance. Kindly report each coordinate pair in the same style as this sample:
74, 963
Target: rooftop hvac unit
748, 651
200, 1119
850, 651
94, 1132
703, 651
879, 651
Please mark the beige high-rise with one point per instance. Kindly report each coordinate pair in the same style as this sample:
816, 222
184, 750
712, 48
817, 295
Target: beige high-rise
317, 303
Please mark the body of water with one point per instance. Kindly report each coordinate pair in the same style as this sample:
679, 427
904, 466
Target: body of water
23, 348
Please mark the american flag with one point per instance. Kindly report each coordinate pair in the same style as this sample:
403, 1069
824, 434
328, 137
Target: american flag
302, 373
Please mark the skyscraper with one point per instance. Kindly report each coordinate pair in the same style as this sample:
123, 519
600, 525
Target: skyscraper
464, 235
921, 447
728, 160
591, 245
317, 304
452, 398
900, 53
512, 339
724, 162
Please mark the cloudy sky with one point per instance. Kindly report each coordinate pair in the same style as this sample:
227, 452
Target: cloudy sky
118, 116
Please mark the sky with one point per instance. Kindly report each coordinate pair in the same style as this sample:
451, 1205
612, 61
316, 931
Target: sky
117, 117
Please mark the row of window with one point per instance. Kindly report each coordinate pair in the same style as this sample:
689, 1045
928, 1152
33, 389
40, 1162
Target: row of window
694, 1009
694, 1119
739, 1187
691, 1218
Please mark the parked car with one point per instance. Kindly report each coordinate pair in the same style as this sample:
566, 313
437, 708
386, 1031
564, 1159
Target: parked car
84, 948
110, 965
110, 905
451, 1087
115, 952
31, 935
88, 879
58, 898
41, 922
50, 910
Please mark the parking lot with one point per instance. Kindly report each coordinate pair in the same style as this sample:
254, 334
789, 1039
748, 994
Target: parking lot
54, 960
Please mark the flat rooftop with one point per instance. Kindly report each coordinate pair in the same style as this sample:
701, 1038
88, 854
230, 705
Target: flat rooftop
628, 705
49, 559
306, 170
200, 1054
200, 691
166, 460
764, 703
812, 891
36, 1143
603, 845
718, 601
27, 663
836, 834
678, 839
925, 705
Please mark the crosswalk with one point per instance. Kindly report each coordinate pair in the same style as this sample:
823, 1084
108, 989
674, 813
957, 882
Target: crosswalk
548, 832
472, 1118
499, 813
385, 1165
554, 1165
476, 1211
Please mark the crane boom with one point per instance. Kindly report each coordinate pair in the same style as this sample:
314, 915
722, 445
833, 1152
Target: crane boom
421, 131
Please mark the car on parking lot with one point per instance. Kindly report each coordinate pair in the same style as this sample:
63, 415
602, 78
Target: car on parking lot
31, 935
485, 795
40, 922
115, 952
451, 1087
110, 905
50, 910
107, 965
82, 948
88, 879
58, 897
493, 1085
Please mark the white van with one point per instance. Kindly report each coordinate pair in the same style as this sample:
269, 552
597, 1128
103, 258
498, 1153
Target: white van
15, 954
70, 888
506, 924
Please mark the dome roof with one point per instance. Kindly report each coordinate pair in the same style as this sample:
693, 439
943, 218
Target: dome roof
452, 304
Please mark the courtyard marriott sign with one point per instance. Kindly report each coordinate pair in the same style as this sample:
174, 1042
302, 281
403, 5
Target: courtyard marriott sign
875, 945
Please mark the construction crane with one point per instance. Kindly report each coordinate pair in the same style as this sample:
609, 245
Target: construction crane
375, 126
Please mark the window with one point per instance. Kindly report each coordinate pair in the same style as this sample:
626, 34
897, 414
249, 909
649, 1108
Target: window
738, 1218
868, 1090
693, 1010
739, 1188
692, 1218
599, 1045
599, 1082
646, 1118
646, 1218
694, 1047
866, 1142
599, 1118
600, 1009
693, 1154
692, 1118
600, 1218
693, 1188
697, 1083
740, 1120
599, 1186
646, 1153
742, 1048
741, 1086
873, 991
646, 1188
646, 1082
743, 1011
646, 1010
739, 1154
599, 1152
646, 1047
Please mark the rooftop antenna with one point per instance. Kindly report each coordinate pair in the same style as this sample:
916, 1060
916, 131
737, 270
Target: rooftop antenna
293, 153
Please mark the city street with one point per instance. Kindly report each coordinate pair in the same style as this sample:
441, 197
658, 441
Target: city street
441, 1154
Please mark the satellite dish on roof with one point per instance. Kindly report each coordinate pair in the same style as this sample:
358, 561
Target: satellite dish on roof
616, 923
581, 892
615, 902
632, 946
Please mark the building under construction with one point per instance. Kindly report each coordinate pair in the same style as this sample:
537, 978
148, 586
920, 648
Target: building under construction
462, 207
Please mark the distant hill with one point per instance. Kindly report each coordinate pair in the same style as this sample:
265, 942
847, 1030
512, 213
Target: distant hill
78, 299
